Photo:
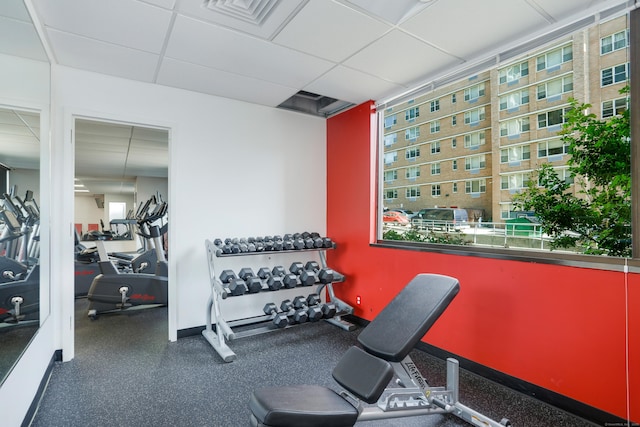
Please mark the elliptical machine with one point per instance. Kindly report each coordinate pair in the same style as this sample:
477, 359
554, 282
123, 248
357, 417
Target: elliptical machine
113, 291
19, 267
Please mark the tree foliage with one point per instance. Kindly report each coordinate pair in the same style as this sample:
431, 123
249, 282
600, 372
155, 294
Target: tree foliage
596, 218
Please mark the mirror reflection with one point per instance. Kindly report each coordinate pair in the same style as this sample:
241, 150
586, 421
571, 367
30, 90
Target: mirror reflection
19, 233
24, 82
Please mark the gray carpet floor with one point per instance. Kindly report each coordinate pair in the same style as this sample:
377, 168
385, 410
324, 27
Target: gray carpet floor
126, 373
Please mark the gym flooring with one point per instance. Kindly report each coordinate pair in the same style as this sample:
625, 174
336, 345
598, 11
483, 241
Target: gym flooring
126, 373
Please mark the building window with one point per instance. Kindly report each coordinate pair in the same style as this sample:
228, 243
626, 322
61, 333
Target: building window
435, 168
513, 73
514, 127
454, 142
453, 98
475, 163
454, 187
474, 92
412, 153
514, 99
475, 186
412, 134
555, 87
412, 192
473, 117
554, 147
412, 172
391, 194
411, 114
435, 105
435, 126
617, 74
454, 165
515, 154
390, 139
390, 157
435, 190
614, 42
474, 140
614, 107
554, 58
435, 147
454, 120
516, 181
389, 121
551, 118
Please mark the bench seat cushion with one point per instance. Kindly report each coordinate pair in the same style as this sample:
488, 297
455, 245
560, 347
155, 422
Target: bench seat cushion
302, 405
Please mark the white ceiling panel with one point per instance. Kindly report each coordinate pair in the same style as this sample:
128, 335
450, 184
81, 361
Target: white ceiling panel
18, 38
400, 58
215, 82
226, 50
351, 85
560, 10
348, 32
104, 58
429, 25
128, 23
278, 16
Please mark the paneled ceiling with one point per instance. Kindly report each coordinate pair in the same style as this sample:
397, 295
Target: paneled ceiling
265, 51
337, 52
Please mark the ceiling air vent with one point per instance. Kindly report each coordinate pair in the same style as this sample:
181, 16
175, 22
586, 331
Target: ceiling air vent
314, 104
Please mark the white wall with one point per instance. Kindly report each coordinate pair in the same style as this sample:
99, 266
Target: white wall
149, 186
25, 83
86, 211
26, 179
235, 169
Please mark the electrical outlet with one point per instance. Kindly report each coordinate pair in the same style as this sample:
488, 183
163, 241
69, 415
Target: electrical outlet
358, 300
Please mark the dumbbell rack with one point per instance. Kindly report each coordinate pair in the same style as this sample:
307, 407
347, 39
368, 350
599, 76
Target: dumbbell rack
224, 328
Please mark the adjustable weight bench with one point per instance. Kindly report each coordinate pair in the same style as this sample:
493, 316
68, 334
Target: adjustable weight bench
365, 372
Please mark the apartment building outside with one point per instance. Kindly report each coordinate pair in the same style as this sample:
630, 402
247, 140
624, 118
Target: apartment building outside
477, 142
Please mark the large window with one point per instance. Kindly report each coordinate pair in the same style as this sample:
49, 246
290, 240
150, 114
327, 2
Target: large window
510, 137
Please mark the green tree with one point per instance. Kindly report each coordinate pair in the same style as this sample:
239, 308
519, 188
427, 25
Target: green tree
596, 218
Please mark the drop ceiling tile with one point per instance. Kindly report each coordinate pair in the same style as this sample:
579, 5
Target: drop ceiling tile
100, 57
19, 38
560, 10
215, 82
14, 9
350, 85
167, 4
123, 22
225, 50
482, 27
348, 32
276, 19
400, 58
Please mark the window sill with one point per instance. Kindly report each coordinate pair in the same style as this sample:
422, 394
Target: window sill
555, 258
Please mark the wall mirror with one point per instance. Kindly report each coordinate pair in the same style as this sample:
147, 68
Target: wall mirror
24, 90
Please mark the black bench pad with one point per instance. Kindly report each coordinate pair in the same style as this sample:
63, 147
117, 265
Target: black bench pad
393, 333
302, 405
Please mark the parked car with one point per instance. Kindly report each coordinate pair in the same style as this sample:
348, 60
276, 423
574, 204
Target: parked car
395, 217
448, 219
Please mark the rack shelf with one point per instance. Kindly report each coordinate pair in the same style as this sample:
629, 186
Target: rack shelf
224, 332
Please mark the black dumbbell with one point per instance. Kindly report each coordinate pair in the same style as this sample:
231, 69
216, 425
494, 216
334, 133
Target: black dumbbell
314, 311
234, 284
327, 242
273, 281
325, 275
290, 280
279, 319
254, 284
218, 242
307, 277
287, 245
294, 315
298, 243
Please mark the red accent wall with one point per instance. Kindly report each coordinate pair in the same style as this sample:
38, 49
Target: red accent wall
561, 328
